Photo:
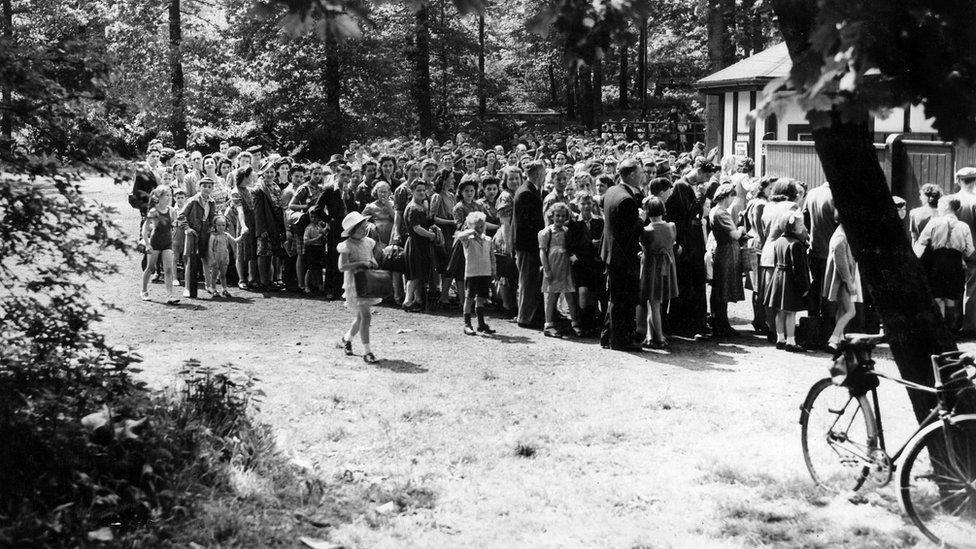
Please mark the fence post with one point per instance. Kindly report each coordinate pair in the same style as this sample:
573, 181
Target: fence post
894, 164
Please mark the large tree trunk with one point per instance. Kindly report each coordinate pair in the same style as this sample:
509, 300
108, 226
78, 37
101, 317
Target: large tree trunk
6, 102
597, 91
642, 66
333, 91
719, 20
421, 71
553, 89
622, 102
571, 91
585, 96
482, 97
177, 84
889, 268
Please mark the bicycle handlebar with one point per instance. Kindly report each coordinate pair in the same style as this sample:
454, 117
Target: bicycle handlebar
955, 358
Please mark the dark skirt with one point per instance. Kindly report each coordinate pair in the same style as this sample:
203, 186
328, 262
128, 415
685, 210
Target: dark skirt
783, 293
727, 272
946, 274
419, 260
247, 248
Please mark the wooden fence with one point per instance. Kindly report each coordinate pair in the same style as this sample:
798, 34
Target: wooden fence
908, 164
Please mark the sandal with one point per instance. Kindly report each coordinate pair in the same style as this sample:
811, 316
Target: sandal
345, 346
369, 358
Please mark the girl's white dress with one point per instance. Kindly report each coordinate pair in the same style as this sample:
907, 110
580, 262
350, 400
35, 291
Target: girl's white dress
357, 250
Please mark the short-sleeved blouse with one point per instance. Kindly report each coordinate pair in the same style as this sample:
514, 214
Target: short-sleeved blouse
461, 211
415, 215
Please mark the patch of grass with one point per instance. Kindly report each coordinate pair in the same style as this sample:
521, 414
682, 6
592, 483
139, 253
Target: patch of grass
420, 414
526, 449
337, 434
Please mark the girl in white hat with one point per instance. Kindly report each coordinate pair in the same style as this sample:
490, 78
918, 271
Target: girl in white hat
356, 253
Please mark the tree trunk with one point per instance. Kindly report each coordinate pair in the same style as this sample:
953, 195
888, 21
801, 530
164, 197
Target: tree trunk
642, 66
571, 91
482, 97
333, 91
889, 268
622, 103
7, 118
597, 92
585, 96
177, 84
421, 71
553, 90
718, 21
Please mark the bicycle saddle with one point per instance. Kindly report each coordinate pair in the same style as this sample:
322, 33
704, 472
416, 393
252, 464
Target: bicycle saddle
862, 341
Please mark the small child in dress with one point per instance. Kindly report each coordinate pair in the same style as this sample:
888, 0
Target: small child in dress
790, 284
479, 269
659, 276
313, 251
557, 274
357, 253
219, 253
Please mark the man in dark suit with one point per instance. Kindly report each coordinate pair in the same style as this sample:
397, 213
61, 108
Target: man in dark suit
685, 208
527, 221
619, 249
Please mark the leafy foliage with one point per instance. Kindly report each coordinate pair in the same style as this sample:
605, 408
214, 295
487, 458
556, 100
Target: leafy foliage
875, 55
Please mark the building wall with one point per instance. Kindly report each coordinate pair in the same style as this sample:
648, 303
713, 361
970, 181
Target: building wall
731, 110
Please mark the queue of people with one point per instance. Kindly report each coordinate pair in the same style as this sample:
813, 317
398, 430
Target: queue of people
576, 235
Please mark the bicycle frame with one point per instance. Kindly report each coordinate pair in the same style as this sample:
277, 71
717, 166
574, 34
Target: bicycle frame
933, 414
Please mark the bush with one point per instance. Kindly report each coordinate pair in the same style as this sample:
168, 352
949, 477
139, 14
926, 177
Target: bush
88, 452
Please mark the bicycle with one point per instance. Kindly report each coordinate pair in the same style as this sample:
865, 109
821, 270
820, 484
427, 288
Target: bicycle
844, 444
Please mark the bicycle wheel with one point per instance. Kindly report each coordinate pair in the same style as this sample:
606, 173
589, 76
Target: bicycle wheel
938, 482
839, 435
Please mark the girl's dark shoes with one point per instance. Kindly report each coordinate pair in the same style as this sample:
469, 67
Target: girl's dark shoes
793, 348
369, 358
485, 329
781, 345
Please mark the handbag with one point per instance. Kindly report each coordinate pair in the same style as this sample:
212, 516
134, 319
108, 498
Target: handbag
297, 221
375, 283
455, 265
394, 259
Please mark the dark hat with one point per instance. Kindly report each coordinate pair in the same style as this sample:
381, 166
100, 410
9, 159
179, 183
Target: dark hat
166, 154
206, 181
334, 159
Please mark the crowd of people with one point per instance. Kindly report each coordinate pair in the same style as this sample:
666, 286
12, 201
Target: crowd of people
577, 235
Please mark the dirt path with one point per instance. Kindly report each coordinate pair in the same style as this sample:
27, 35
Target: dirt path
698, 446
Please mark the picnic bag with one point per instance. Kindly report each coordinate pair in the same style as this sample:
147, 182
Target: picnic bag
394, 259
374, 283
813, 332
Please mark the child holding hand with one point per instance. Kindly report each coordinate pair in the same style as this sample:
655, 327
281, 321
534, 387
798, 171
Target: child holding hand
479, 269
218, 253
557, 274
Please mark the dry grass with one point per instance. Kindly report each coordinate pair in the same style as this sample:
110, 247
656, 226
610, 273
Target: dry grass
522, 440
